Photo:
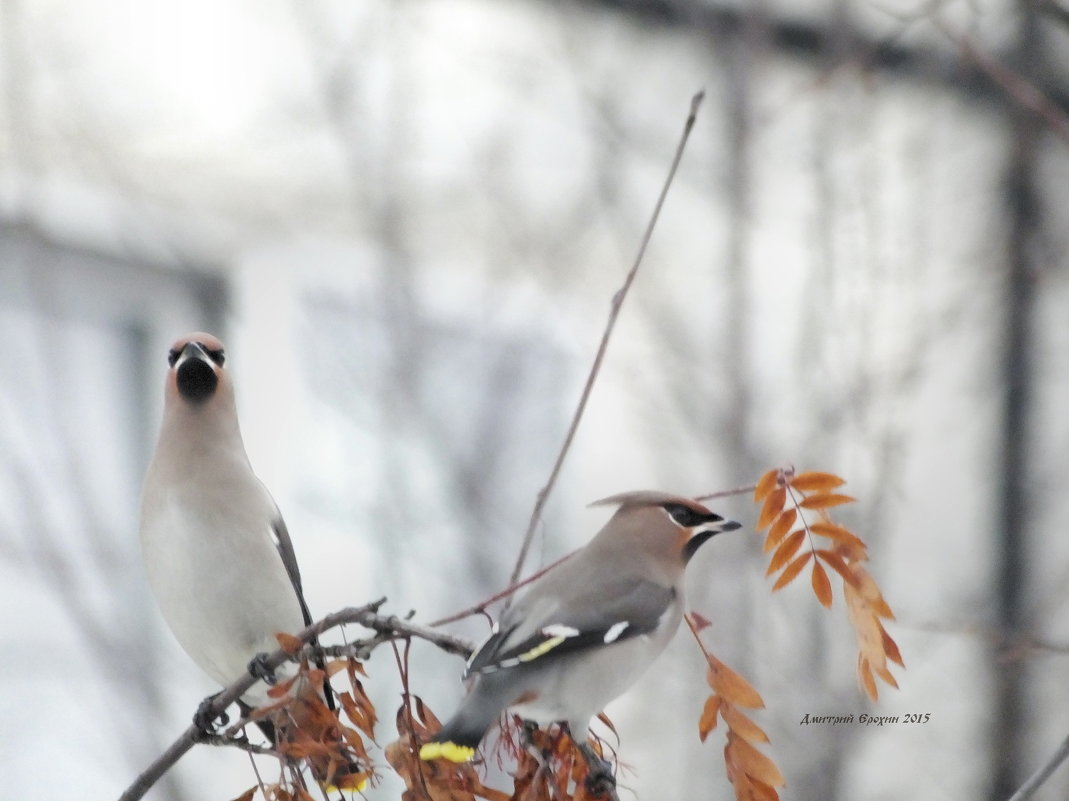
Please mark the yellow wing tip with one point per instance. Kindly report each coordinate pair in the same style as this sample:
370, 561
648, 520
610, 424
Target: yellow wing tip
450, 751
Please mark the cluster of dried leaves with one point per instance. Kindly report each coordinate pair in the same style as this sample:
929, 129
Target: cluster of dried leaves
313, 733
794, 509
548, 765
753, 775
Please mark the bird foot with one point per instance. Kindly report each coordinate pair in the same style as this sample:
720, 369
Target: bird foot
600, 780
258, 668
204, 718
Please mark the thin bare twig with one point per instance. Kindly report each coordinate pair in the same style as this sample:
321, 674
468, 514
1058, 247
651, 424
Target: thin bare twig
388, 628
1036, 780
1019, 89
709, 496
614, 312
497, 596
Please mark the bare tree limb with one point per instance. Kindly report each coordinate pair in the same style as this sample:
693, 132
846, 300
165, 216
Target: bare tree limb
1018, 88
497, 596
709, 496
614, 312
1036, 780
388, 627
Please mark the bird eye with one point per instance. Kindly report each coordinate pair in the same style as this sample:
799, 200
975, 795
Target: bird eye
689, 518
172, 356
217, 356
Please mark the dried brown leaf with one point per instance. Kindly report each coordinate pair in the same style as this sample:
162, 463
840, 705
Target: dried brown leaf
698, 620
856, 549
890, 647
707, 722
815, 481
248, 794
288, 643
747, 760
864, 674
732, 687
791, 571
821, 584
824, 500
742, 725
772, 507
780, 528
836, 563
765, 485
787, 549
759, 791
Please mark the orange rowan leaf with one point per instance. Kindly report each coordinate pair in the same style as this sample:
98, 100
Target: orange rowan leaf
890, 647
856, 548
823, 500
742, 725
780, 528
288, 643
836, 563
864, 674
707, 722
885, 674
765, 485
759, 791
772, 507
786, 550
821, 584
282, 688
747, 760
732, 687
247, 795
791, 571
815, 481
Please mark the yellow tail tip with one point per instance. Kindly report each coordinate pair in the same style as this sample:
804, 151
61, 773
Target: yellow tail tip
355, 783
450, 751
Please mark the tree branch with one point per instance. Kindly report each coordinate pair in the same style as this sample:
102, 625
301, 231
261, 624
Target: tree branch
725, 493
388, 627
614, 312
497, 596
1036, 780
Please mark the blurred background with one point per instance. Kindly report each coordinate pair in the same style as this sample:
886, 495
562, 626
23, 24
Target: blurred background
407, 219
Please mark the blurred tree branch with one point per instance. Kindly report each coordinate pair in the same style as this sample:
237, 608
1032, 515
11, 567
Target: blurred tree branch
388, 628
614, 312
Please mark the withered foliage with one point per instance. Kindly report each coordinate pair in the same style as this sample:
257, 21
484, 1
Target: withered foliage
795, 510
753, 774
547, 765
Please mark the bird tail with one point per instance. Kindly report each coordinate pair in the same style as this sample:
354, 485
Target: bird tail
457, 740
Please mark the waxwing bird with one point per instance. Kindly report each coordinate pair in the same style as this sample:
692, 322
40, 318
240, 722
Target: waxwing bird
584, 632
218, 556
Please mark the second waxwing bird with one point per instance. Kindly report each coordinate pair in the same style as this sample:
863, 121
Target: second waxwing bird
218, 556
585, 631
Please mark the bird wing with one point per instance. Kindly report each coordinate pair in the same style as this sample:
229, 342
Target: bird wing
281, 537
625, 608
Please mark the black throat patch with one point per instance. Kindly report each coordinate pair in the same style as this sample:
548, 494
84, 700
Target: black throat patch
196, 380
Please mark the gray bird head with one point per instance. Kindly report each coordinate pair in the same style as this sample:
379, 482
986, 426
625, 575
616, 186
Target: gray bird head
196, 362
671, 526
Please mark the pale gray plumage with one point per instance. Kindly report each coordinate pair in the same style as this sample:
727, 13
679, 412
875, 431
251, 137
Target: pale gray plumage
219, 559
585, 631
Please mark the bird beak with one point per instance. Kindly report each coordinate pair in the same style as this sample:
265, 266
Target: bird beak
706, 531
195, 373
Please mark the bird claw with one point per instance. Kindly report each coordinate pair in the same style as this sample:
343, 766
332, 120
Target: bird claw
258, 668
204, 718
600, 780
